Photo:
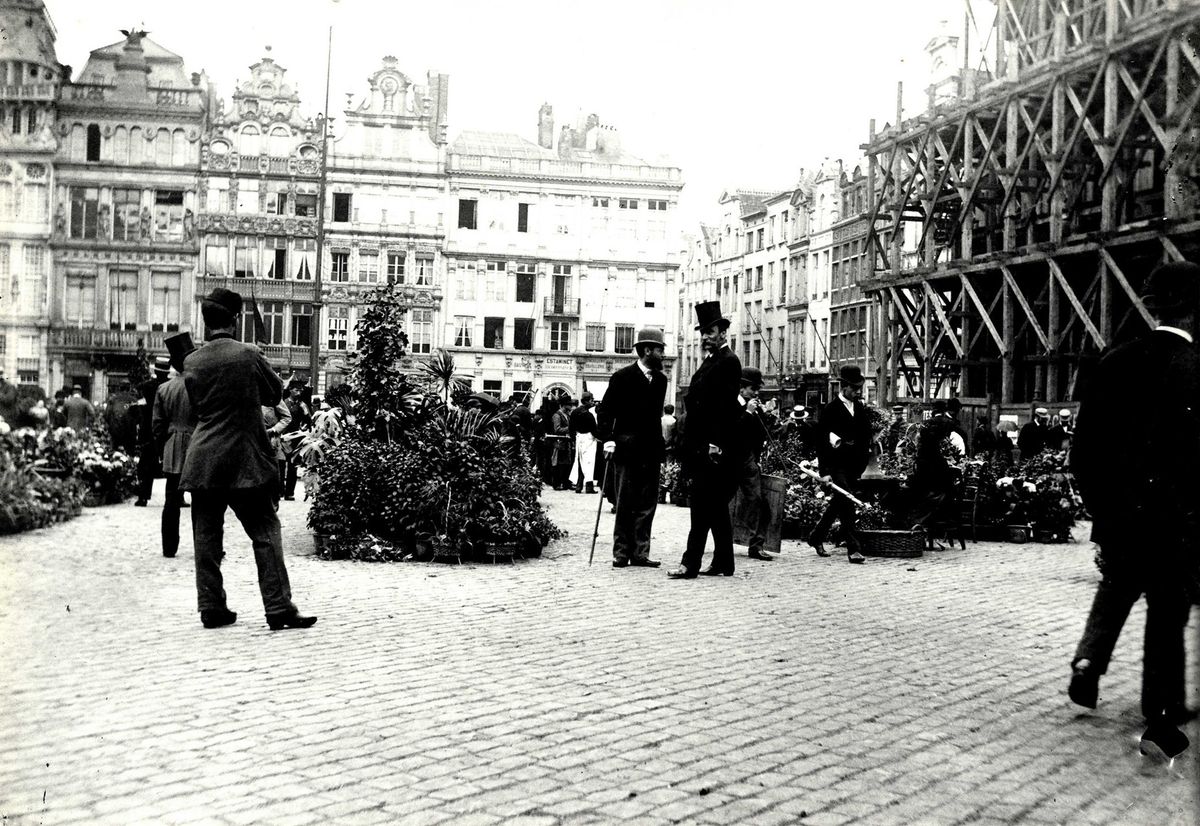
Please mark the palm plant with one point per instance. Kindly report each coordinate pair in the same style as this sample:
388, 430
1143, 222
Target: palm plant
440, 371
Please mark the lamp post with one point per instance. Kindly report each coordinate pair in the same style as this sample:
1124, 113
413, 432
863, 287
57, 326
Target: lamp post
314, 354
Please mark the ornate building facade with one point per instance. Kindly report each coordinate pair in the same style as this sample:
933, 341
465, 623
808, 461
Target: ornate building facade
258, 194
124, 234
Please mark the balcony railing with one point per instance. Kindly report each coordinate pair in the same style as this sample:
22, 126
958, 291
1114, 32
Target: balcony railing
563, 169
92, 339
27, 91
556, 306
263, 288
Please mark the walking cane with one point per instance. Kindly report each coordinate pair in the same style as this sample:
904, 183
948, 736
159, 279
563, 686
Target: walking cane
804, 469
600, 507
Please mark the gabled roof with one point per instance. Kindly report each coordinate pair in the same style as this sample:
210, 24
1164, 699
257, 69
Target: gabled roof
499, 145
150, 49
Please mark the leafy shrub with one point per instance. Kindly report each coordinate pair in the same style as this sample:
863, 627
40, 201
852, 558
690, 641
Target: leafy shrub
29, 500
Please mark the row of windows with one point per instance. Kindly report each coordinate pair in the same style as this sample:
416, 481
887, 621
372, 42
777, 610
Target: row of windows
494, 328
133, 146
468, 212
273, 199
131, 215
123, 310
763, 237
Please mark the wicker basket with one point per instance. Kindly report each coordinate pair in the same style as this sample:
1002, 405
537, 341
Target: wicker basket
893, 544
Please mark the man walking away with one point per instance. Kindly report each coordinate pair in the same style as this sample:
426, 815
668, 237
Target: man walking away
710, 451
78, 412
229, 464
668, 428
631, 428
1141, 487
843, 452
172, 422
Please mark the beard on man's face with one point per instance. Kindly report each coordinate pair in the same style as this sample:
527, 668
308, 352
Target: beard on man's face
653, 361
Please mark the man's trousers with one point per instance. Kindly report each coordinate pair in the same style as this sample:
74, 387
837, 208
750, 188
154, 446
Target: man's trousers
637, 501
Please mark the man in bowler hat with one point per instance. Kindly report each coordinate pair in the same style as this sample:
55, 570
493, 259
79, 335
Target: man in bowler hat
710, 451
843, 451
230, 464
631, 429
1141, 486
755, 426
172, 422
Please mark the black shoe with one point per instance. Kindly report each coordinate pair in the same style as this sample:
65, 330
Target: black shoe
760, 556
289, 499
620, 563
644, 563
681, 573
589, 488
217, 617
856, 558
291, 619
141, 503
169, 554
579, 490
712, 571
185, 504
1163, 741
818, 547
1084, 688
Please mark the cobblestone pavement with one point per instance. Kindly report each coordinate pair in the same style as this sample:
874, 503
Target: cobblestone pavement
803, 691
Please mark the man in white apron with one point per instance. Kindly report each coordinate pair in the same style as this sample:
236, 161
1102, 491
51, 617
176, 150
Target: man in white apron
583, 425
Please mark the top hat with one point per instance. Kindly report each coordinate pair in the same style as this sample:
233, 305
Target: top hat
1173, 286
179, 345
752, 376
708, 313
851, 374
228, 300
650, 335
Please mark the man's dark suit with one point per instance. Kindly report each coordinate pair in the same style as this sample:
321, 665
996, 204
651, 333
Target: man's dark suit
844, 464
712, 417
630, 415
230, 464
173, 423
1139, 482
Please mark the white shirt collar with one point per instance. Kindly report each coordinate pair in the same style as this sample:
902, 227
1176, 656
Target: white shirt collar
646, 371
849, 404
1184, 334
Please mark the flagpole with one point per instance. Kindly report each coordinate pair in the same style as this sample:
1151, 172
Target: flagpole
314, 356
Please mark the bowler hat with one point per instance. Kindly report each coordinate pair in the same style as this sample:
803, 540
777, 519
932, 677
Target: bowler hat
851, 374
1173, 286
179, 345
752, 376
650, 335
708, 313
228, 300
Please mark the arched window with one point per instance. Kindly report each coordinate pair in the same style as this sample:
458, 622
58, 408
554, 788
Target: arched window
93, 142
248, 141
78, 142
180, 156
279, 142
120, 146
137, 145
162, 151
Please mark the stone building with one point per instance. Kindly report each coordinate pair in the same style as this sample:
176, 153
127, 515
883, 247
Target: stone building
824, 206
259, 168
556, 255
851, 315
124, 234
696, 284
30, 77
763, 299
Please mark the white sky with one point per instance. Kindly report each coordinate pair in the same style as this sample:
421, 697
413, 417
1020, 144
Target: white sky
739, 95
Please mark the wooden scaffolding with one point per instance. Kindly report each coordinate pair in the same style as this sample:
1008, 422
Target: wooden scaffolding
1012, 229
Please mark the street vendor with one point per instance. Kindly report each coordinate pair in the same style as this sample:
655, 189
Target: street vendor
582, 425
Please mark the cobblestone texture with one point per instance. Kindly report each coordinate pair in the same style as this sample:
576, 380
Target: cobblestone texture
548, 692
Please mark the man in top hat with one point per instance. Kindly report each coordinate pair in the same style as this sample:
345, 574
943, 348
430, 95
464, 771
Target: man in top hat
843, 450
1032, 438
631, 428
230, 464
755, 427
172, 422
1141, 487
709, 449
582, 424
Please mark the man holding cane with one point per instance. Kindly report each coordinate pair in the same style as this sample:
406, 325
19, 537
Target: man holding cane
631, 429
843, 450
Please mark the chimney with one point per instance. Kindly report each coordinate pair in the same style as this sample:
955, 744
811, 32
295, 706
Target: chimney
566, 141
546, 126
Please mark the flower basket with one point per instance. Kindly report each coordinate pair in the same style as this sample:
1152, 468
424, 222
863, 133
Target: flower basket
500, 552
1019, 534
892, 544
444, 550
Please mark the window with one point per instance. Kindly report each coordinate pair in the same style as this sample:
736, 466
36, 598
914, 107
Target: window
468, 213
164, 300
758, 278
93, 140
216, 255
395, 267
217, 195
624, 339
126, 207
464, 285
301, 325
306, 205
274, 315
179, 148
276, 253
162, 148
276, 203
245, 249
759, 237
656, 206
137, 145
305, 258
526, 278
522, 217
420, 334
594, 340
279, 143
600, 202
168, 215
122, 299
248, 140
247, 197
340, 271
84, 205
493, 387
522, 387
560, 335
496, 284
627, 203
493, 333
522, 333
758, 353
424, 271
783, 282
339, 327
81, 300
463, 325
368, 266
341, 207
